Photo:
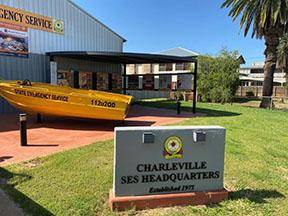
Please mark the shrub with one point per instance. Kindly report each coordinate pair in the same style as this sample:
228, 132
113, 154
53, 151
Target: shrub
178, 96
218, 77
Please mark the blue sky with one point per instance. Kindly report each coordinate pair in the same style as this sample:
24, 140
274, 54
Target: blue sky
155, 25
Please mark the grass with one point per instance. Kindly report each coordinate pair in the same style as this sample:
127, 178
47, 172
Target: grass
77, 182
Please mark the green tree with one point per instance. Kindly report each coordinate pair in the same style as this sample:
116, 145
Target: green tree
268, 18
218, 77
283, 54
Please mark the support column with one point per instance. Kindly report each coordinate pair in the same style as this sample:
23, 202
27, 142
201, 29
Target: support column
94, 81
76, 79
195, 87
124, 80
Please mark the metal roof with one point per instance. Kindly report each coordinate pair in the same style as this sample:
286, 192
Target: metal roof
179, 51
123, 58
94, 18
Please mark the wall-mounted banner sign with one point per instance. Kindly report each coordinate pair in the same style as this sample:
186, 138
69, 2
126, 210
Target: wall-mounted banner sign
30, 20
166, 160
13, 40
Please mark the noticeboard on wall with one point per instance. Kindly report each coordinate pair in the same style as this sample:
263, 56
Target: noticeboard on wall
13, 40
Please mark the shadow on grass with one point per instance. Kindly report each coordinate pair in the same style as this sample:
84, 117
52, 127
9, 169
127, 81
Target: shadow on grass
256, 196
173, 106
27, 204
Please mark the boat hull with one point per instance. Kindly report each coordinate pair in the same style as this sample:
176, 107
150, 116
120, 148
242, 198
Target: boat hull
65, 101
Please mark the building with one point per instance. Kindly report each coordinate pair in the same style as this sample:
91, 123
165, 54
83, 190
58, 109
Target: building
158, 80
254, 75
31, 29
57, 42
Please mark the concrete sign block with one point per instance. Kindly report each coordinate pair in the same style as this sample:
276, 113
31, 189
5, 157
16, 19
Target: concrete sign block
161, 160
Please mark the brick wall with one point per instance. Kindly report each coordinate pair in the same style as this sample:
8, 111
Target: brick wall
102, 81
117, 81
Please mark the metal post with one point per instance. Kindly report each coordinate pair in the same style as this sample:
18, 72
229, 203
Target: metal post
178, 107
124, 80
195, 87
39, 118
23, 129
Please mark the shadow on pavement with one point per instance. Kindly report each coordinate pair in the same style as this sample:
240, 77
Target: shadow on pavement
4, 158
23, 201
173, 106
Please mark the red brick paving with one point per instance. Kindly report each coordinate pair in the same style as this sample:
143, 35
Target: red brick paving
58, 134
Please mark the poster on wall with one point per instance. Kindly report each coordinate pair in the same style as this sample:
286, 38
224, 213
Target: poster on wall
85, 80
64, 78
13, 40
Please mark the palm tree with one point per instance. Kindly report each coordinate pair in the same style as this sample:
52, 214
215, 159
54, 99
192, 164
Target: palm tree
268, 18
282, 51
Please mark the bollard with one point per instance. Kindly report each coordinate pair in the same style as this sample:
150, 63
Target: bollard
23, 129
39, 118
178, 107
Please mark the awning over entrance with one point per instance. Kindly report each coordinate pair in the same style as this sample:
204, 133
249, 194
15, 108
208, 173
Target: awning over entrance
124, 58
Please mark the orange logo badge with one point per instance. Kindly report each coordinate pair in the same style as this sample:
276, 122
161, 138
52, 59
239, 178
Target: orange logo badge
173, 148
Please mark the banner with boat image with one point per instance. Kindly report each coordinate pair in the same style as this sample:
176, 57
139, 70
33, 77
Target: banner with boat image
13, 40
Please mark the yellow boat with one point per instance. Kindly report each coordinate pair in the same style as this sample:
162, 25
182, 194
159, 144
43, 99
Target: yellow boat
64, 101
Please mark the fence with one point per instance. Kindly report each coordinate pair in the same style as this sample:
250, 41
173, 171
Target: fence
256, 91
149, 94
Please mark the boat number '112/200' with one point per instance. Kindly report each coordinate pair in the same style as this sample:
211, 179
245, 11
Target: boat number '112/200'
103, 103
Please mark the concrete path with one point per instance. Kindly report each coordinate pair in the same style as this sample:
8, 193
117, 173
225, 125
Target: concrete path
8, 207
59, 134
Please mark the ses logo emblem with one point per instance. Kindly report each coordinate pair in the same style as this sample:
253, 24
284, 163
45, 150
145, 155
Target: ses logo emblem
58, 26
173, 148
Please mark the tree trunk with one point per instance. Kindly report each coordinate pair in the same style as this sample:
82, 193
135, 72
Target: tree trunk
271, 42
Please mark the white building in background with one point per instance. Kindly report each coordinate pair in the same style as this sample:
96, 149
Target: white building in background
163, 76
254, 75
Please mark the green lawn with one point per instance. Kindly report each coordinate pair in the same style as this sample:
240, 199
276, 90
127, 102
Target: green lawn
77, 182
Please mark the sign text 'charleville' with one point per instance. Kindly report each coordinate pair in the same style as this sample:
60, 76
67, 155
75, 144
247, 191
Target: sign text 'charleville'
174, 172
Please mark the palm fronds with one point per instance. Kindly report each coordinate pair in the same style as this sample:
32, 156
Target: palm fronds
261, 14
282, 51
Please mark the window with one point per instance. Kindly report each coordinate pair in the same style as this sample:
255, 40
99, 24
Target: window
166, 67
179, 66
182, 66
162, 67
169, 67
257, 70
186, 66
